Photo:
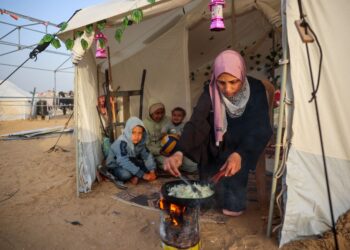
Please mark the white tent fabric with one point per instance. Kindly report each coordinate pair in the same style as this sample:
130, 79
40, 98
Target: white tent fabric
176, 48
86, 123
14, 108
172, 40
307, 209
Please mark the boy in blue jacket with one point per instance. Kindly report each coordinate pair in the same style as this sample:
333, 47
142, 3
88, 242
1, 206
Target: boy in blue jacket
128, 157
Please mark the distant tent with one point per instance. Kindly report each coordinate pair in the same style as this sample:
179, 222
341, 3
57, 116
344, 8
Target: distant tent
15, 103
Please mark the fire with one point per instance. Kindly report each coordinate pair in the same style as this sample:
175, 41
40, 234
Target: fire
175, 211
162, 204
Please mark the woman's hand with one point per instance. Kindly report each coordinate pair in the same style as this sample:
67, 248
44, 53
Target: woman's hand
173, 163
232, 164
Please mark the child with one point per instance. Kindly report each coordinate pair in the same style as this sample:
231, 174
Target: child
176, 125
171, 133
153, 125
128, 157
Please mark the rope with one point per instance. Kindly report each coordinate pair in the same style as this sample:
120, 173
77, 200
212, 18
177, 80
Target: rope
38, 49
314, 98
65, 126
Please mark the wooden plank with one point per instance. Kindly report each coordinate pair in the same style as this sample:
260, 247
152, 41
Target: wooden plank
126, 93
141, 94
126, 107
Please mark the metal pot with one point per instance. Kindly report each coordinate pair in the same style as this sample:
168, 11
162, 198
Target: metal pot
188, 202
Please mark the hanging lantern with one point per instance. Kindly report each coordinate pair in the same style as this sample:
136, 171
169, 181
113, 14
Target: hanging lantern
217, 18
101, 43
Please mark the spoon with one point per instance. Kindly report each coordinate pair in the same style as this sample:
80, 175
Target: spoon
193, 187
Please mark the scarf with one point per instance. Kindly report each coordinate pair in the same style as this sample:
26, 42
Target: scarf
231, 62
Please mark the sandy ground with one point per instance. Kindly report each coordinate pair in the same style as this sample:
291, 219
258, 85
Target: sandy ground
38, 200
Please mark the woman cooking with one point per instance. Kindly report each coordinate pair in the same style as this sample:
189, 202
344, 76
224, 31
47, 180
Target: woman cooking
227, 132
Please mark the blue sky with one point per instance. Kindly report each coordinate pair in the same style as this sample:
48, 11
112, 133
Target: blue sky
53, 11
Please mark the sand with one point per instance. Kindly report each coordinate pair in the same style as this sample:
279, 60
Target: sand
38, 200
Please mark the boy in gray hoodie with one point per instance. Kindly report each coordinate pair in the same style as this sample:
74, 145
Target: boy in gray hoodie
128, 157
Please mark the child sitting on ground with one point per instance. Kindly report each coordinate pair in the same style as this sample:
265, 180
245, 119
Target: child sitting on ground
176, 125
153, 124
171, 133
128, 157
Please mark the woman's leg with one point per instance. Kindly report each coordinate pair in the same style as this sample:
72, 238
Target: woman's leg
232, 193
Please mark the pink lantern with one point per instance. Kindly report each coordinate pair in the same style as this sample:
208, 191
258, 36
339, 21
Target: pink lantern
101, 43
217, 19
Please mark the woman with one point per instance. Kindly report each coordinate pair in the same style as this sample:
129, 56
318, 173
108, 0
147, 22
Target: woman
228, 130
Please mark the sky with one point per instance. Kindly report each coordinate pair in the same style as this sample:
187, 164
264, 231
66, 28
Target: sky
52, 11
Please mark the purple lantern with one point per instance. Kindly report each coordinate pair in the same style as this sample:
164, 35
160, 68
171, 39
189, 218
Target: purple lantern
217, 19
101, 42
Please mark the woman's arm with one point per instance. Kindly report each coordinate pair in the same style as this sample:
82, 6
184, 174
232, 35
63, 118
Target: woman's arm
196, 130
194, 136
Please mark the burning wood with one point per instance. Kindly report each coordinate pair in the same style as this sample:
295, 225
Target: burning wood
179, 225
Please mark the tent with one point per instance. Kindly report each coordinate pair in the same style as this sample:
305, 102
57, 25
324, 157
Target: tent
176, 48
172, 43
15, 103
307, 209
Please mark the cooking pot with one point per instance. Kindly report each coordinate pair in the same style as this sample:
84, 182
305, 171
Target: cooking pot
188, 202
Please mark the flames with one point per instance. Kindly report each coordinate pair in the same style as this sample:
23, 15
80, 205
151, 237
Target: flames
175, 211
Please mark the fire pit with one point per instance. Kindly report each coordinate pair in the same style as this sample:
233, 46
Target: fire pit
179, 228
179, 224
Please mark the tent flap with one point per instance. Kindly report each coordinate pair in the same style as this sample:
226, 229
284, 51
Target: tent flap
307, 209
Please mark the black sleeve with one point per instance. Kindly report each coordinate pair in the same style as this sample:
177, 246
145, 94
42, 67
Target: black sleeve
260, 129
196, 131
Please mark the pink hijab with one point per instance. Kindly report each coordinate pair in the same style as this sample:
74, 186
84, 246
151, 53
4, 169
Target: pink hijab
228, 61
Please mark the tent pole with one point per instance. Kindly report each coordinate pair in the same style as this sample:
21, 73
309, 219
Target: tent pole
33, 97
54, 94
280, 117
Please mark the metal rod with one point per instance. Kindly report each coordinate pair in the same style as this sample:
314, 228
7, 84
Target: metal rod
38, 97
46, 23
71, 67
13, 25
54, 91
25, 67
7, 33
27, 47
280, 122
16, 50
62, 64
19, 37
33, 97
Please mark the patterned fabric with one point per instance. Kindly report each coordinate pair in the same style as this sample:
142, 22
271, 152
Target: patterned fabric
235, 105
228, 61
